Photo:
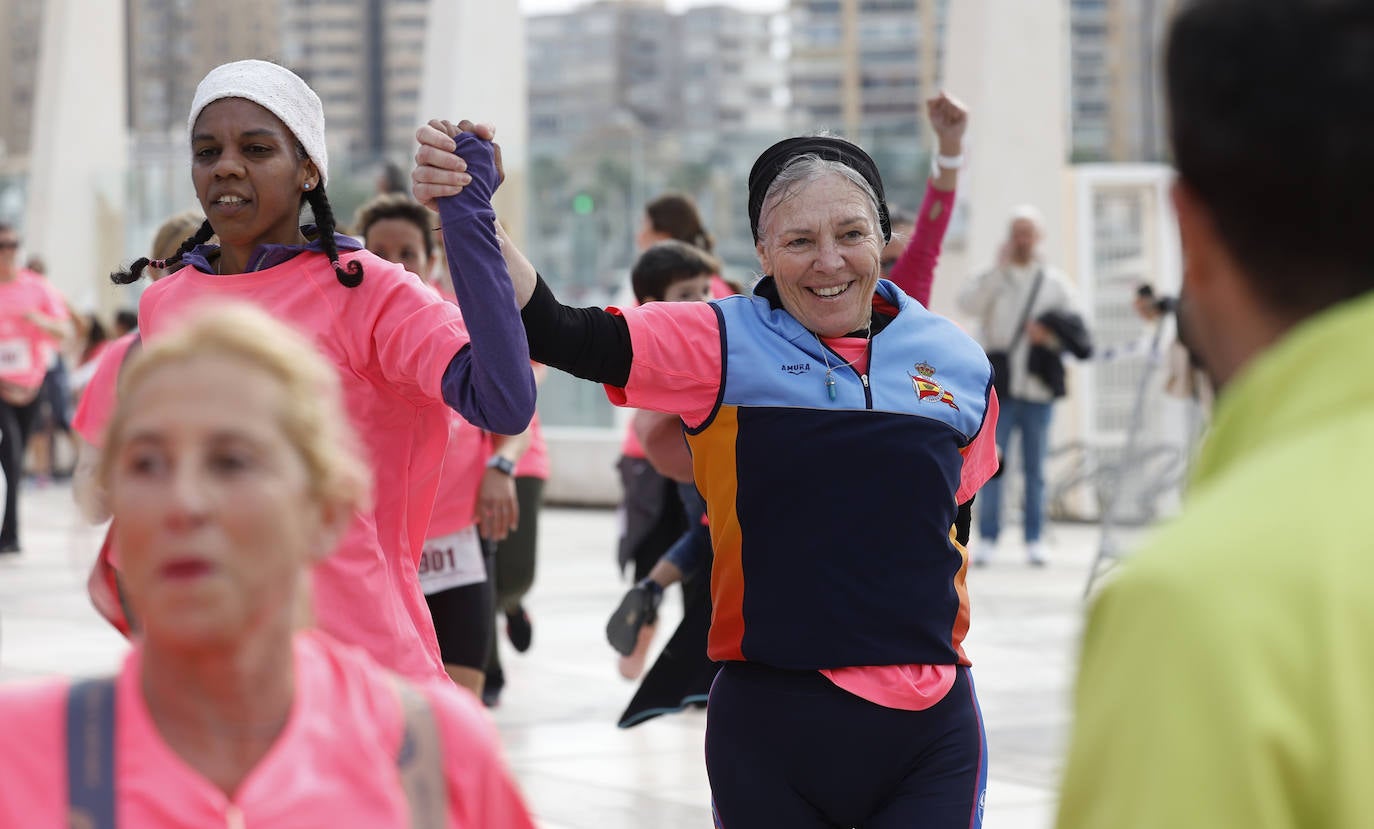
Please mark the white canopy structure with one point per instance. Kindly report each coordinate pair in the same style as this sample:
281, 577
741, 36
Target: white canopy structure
74, 217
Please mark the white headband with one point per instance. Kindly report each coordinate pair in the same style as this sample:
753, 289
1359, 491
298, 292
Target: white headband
276, 89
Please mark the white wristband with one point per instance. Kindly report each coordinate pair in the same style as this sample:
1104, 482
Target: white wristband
949, 162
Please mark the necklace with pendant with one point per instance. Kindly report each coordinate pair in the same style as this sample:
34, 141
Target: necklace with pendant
829, 369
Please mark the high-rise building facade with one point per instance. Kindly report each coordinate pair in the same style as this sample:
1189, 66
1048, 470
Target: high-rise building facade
863, 69
1116, 76
1090, 79
728, 71
601, 65
633, 65
864, 66
173, 43
20, 37
627, 99
363, 58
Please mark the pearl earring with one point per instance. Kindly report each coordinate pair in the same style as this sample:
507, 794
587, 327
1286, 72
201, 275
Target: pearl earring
306, 185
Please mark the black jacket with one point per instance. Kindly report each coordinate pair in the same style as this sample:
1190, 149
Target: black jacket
1047, 363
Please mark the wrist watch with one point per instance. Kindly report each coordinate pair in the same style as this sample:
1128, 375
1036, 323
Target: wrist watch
505, 465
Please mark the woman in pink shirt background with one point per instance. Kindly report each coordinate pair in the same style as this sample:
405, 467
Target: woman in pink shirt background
33, 319
230, 471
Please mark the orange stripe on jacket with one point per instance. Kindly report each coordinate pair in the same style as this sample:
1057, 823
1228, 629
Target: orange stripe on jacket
961, 621
713, 464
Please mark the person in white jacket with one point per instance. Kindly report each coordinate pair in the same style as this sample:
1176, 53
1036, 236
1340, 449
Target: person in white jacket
1006, 301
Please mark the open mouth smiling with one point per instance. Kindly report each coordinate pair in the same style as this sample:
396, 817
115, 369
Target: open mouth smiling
830, 292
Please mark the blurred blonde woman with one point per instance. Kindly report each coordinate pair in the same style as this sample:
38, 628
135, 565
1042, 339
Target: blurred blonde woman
230, 469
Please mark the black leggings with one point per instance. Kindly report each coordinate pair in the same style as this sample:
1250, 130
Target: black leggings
790, 748
463, 620
16, 422
513, 572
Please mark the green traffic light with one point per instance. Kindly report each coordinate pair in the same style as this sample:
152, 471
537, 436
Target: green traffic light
583, 204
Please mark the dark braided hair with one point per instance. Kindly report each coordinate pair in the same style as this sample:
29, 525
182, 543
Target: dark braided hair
135, 271
350, 275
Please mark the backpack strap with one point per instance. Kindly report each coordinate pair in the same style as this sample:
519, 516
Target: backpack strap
420, 761
90, 754
1026, 312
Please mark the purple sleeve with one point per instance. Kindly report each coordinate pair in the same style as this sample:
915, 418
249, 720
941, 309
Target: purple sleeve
488, 382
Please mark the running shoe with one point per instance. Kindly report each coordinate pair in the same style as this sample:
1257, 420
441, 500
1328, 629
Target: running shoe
518, 628
639, 607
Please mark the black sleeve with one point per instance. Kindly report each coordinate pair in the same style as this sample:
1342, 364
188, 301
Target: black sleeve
590, 343
963, 521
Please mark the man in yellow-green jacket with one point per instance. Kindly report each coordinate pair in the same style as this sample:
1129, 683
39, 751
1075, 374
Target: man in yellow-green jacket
1227, 675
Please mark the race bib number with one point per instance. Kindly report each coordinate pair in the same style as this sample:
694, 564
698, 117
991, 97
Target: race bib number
452, 561
15, 357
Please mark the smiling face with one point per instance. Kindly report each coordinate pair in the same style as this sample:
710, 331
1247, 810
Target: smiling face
249, 177
822, 245
399, 241
215, 514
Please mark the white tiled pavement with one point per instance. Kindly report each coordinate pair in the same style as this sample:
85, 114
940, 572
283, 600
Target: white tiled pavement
562, 698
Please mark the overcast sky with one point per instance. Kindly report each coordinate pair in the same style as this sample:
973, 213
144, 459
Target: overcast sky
545, 6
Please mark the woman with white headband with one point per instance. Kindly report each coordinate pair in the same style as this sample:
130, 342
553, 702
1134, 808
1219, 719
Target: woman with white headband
257, 157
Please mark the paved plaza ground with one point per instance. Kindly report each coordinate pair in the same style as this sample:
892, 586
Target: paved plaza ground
562, 699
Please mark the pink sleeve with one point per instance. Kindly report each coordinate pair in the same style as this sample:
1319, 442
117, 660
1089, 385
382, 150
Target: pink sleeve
481, 791
914, 272
415, 332
980, 456
677, 360
98, 399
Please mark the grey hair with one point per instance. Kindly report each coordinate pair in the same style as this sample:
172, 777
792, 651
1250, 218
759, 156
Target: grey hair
805, 169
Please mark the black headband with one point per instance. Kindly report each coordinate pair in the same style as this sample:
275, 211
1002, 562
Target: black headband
777, 157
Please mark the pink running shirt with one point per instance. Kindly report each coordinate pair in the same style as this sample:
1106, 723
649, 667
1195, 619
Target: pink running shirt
97, 403
455, 502
535, 462
24, 347
334, 762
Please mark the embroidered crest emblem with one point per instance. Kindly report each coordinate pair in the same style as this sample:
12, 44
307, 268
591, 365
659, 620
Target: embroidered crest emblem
923, 383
